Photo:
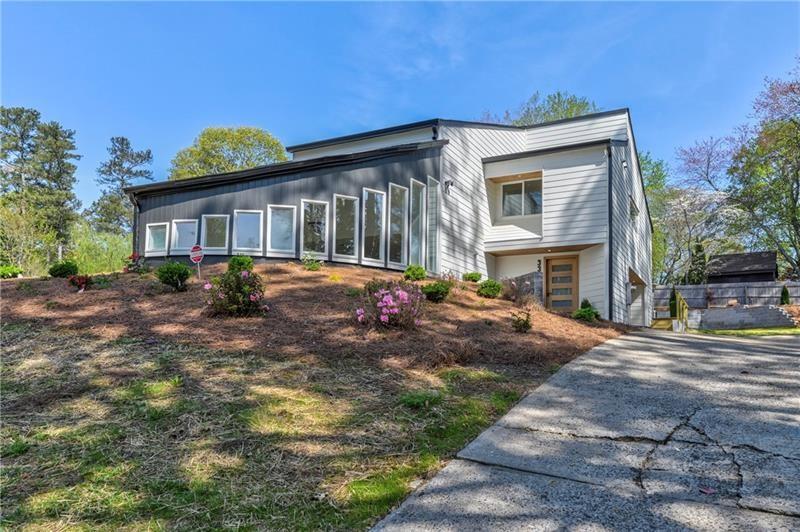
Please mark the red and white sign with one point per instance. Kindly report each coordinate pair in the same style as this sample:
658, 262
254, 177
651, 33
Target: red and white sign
196, 254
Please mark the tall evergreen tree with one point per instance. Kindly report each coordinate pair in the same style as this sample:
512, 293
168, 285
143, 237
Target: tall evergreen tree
18, 127
112, 212
697, 273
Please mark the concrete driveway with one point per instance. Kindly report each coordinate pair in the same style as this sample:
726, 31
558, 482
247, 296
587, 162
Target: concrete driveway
648, 431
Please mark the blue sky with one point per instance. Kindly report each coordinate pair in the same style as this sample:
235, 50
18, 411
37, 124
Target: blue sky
159, 73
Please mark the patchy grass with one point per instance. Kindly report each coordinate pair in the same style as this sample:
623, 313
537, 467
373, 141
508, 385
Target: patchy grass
128, 408
142, 434
767, 331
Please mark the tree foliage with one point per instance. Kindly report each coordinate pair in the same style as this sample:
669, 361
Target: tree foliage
226, 149
112, 212
697, 273
538, 109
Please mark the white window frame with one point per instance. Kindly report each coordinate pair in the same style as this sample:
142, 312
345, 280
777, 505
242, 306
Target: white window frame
369, 261
404, 245
338, 256
522, 205
173, 247
315, 254
423, 216
283, 253
156, 253
434, 268
215, 250
249, 251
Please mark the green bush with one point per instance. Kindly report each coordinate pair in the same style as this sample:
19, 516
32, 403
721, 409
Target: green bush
785, 296
8, 271
414, 272
240, 263
311, 264
673, 304
472, 277
63, 268
236, 294
174, 274
490, 288
521, 321
586, 312
437, 291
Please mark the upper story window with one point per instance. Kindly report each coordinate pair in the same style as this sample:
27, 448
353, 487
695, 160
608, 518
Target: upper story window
633, 209
522, 198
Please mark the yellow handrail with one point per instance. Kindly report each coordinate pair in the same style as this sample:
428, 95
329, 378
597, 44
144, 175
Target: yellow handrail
682, 308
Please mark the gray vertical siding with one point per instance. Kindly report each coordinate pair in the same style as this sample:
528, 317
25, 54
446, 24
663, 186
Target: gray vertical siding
256, 194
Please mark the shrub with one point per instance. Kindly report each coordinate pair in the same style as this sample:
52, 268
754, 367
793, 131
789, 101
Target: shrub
81, 282
586, 312
785, 296
8, 271
520, 292
63, 268
673, 304
490, 288
239, 263
101, 281
174, 274
135, 264
521, 321
391, 304
414, 272
311, 264
472, 277
437, 291
236, 294
335, 278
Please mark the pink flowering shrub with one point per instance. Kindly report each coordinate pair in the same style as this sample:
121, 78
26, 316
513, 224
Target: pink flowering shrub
391, 304
236, 293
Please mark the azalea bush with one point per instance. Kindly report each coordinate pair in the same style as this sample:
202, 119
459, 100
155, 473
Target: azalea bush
490, 288
63, 268
240, 263
174, 274
472, 277
437, 291
586, 312
236, 293
391, 304
81, 282
135, 264
414, 272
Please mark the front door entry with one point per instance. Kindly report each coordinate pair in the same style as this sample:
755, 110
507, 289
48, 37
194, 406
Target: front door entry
562, 284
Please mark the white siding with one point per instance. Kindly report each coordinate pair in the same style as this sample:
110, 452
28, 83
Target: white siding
396, 139
631, 238
465, 212
613, 126
574, 196
592, 272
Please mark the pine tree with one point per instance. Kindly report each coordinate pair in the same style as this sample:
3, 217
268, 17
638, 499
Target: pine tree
697, 266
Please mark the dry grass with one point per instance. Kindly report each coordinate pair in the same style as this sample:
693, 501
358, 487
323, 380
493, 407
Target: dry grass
127, 407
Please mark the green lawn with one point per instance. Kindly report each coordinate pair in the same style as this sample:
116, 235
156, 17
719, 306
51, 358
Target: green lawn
152, 435
770, 331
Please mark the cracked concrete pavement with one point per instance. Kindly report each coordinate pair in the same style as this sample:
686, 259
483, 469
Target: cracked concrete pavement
652, 430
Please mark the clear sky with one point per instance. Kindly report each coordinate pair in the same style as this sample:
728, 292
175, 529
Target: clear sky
158, 73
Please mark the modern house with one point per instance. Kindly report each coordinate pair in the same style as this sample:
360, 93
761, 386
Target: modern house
564, 198
743, 267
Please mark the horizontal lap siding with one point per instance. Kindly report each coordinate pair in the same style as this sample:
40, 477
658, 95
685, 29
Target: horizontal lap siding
578, 131
407, 137
287, 190
465, 216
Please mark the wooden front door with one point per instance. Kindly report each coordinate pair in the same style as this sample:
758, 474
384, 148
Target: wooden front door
562, 284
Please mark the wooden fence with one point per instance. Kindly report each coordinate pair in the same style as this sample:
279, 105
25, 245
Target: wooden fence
720, 295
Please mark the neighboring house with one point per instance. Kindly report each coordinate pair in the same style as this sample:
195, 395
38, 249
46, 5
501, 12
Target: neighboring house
564, 198
743, 267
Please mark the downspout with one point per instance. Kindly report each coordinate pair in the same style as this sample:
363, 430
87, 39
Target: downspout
610, 235
135, 226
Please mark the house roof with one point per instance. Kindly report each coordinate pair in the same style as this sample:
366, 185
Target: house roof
436, 122
277, 169
738, 263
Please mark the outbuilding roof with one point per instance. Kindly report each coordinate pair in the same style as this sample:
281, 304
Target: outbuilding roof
738, 263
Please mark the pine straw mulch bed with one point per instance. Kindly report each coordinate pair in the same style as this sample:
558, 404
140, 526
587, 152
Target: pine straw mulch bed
310, 314
129, 407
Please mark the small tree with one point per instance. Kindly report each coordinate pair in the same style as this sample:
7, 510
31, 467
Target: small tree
673, 303
697, 266
785, 300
